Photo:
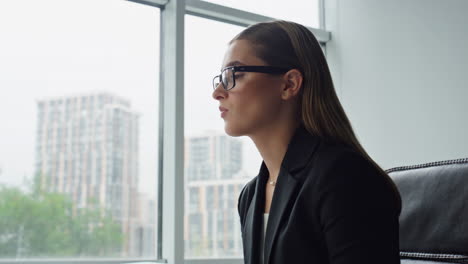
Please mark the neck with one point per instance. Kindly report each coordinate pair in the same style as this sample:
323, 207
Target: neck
272, 144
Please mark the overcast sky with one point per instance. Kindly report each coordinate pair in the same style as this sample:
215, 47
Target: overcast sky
56, 48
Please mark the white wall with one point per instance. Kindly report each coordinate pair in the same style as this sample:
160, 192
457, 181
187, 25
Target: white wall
401, 70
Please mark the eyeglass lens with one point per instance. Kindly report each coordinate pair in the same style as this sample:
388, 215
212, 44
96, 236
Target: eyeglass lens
227, 79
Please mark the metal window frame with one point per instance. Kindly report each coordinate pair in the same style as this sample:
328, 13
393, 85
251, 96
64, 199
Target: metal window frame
156, 3
238, 17
171, 137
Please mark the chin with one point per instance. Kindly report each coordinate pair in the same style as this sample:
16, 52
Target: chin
233, 130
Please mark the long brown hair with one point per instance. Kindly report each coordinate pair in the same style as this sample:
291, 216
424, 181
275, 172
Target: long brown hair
291, 45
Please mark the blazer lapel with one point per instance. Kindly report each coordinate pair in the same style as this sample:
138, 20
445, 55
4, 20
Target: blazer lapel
253, 224
282, 199
300, 150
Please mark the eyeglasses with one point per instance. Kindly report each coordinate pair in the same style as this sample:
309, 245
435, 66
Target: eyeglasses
228, 78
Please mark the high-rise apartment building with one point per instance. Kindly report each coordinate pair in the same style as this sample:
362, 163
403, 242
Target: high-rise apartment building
87, 147
214, 180
211, 157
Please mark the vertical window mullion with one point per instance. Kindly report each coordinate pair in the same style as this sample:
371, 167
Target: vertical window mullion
172, 130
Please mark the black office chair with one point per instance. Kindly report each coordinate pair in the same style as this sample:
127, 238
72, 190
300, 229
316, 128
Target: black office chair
434, 217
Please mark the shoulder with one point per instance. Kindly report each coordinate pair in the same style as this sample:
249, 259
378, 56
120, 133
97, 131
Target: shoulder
330, 157
342, 171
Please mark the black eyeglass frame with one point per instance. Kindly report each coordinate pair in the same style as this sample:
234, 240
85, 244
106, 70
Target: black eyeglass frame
260, 69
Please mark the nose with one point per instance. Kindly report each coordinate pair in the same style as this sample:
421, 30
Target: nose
219, 93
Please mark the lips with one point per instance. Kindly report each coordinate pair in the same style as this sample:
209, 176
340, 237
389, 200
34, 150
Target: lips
222, 109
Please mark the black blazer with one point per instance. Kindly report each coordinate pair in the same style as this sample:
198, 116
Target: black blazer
330, 205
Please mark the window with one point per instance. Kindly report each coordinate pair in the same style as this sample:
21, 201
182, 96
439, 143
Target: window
65, 73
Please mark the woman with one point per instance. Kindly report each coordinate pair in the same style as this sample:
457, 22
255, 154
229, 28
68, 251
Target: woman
318, 198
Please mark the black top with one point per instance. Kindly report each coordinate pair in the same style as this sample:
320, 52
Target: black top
330, 205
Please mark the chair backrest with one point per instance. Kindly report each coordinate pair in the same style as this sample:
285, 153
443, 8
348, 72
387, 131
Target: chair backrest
434, 217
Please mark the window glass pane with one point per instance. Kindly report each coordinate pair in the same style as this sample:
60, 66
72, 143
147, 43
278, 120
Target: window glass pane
300, 11
216, 165
79, 134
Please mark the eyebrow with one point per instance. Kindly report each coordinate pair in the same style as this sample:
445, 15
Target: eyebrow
233, 63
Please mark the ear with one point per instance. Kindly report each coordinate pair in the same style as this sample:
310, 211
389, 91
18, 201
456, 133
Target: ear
293, 83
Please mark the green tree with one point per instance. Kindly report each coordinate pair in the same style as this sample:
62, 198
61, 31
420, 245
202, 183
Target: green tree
41, 224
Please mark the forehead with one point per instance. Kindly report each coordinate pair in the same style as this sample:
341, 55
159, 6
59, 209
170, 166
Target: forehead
241, 52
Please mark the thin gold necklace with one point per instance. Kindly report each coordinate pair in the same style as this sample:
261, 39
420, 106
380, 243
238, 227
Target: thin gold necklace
272, 183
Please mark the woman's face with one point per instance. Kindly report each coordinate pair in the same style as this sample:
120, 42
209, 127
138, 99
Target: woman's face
255, 101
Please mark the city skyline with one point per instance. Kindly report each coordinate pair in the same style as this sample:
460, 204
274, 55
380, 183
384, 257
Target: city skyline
251, 157
79, 125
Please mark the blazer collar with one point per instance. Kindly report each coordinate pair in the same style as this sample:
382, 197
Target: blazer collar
299, 151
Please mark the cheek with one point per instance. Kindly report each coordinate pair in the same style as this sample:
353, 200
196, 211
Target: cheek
252, 107
258, 104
